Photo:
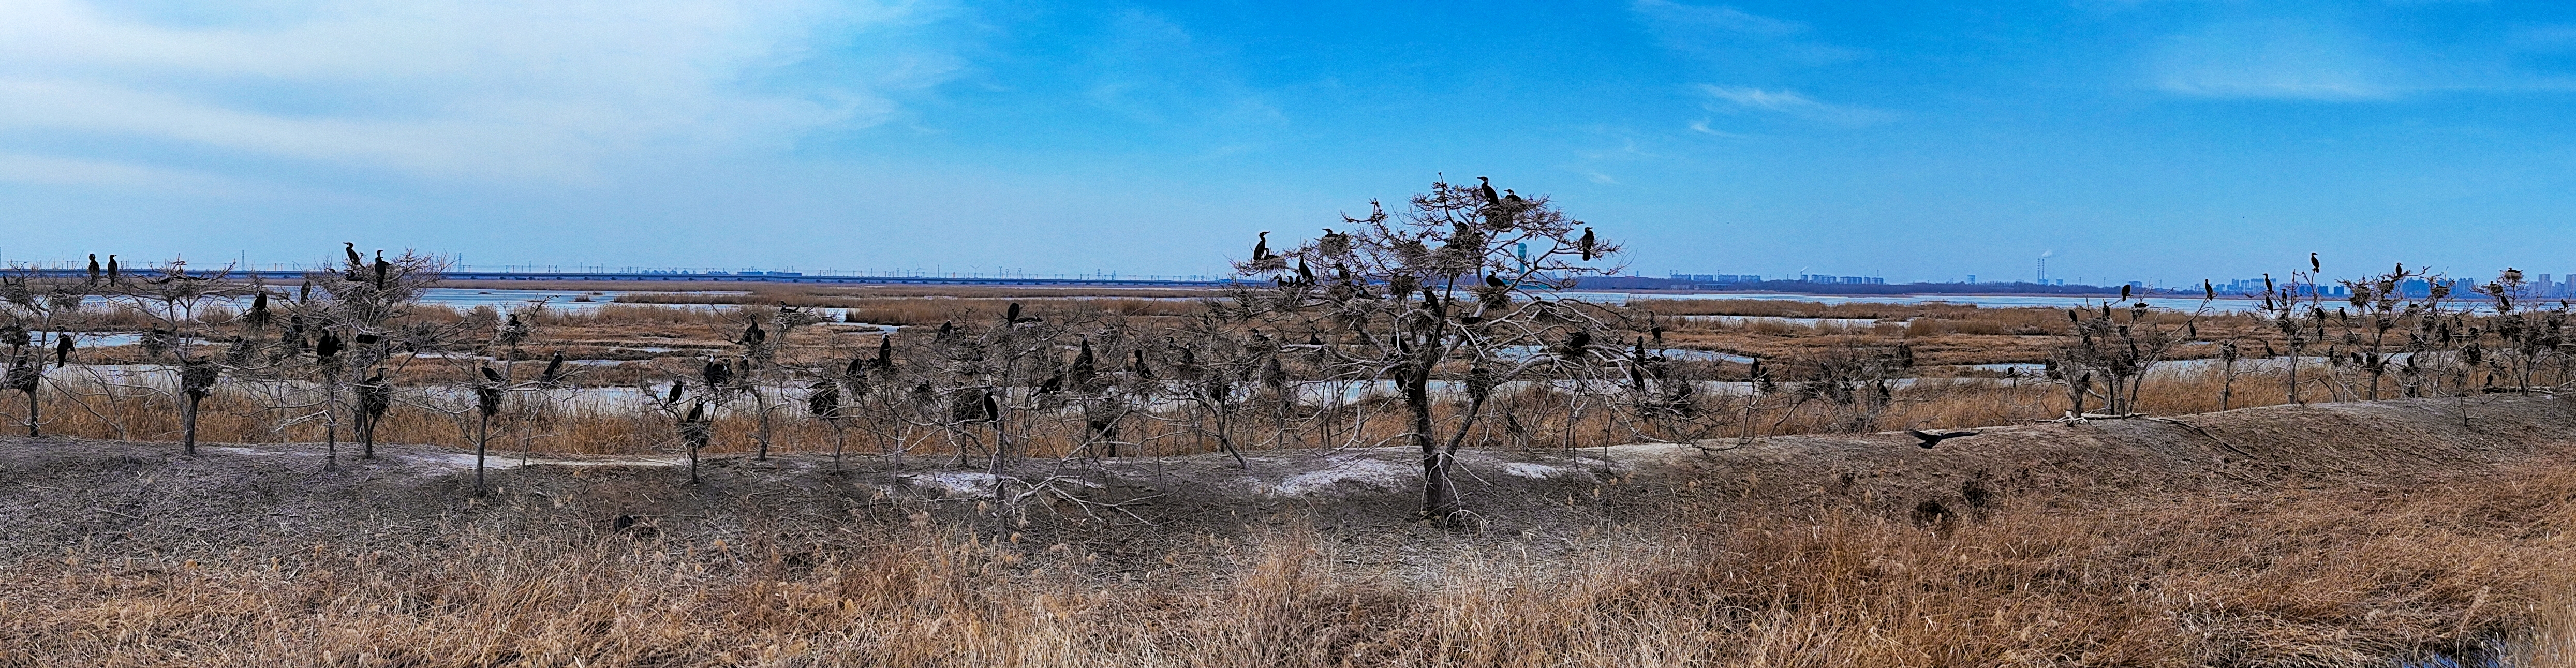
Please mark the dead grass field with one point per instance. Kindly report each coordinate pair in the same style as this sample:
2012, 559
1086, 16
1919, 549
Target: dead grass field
2330, 535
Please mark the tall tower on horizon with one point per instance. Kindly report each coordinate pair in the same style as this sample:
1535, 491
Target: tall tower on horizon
2043, 270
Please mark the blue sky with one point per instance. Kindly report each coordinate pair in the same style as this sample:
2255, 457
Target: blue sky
2163, 140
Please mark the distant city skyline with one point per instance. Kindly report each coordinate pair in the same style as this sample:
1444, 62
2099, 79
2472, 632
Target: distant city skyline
1915, 141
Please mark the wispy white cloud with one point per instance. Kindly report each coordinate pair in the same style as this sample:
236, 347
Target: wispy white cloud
1723, 32
488, 88
2308, 59
1790, 103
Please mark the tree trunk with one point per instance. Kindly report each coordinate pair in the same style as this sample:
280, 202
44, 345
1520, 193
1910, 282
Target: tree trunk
483, 438
1439, 493
188, 425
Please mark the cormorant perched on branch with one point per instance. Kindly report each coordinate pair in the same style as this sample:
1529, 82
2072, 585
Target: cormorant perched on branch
2208, 290
111, 267
1304, 276
2124, 292
328, 346
352, 249
885, 351
62, 349
1485, 186
677, 387
554, 368
494, 376
715, 373
1494, 281
697, 412
383, 269
1142, 371
1930, 439
992, 409
1584, 245
1512, 200
2313, 265
93, 268
1261, 248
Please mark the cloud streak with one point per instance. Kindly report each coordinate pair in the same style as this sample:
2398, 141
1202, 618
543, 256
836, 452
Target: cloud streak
470, 89
1789, 103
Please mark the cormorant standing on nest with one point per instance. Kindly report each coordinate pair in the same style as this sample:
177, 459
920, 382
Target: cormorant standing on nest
384, 270
1512, 200
677, 387
1012, 314
1142, 371
1304, 276
62, 349
352, 249
1584, 245
1931, 438
93, 268
1494, 281
947, 328
1485, 186
1261, 248
753, 335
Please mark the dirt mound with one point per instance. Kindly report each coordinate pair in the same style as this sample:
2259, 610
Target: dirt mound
146, 498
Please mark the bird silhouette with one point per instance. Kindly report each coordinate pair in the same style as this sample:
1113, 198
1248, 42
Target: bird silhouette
2124, 292
858, 365
1083, 363
383, 269
329, 346
491, 375
677, 387
554, 367
1512, 200
753, 335
93, 267
1930, 439
1304, 276
2313, 265
1584, 245
697, 412
1261, 248
885, 351
62, 349
2208, 290
1012, 314
352, 249
1485, 187
111, 267
992, 409
1141, 371
1494, 281
302, 294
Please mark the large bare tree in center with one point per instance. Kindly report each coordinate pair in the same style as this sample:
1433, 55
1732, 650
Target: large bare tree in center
1459, 286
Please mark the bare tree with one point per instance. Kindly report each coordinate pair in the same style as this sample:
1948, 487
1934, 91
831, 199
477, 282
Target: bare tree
1460, 284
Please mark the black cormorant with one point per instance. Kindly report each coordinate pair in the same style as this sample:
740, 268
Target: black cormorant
1584, 245
1932, 438
1485, 186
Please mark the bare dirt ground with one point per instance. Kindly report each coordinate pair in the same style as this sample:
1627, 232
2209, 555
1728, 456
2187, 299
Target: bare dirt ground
146, 498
